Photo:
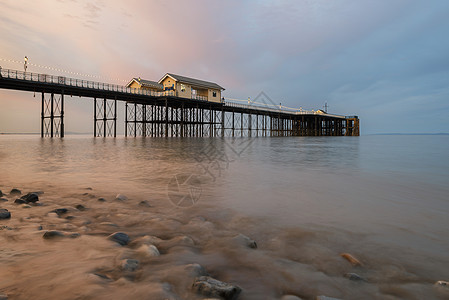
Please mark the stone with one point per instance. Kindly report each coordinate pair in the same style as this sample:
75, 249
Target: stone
1, 194
245, 241
3, 297
26, 205
148, 250
15, 192
349, 257
120, 238
210, 287
51, 234
60, 211
31, 198
80, 207
442, 283
326, 298
354, 277
4, 214
3, 200
20, 201
101, 200
121, 197
144, 203
130, 265
195, 270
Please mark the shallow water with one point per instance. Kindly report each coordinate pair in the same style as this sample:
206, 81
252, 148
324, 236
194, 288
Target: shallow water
304, 200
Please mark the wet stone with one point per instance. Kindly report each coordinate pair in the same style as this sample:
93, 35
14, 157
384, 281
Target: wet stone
290, 297
121, 197
3, 200
1, 194
148, 250
195, 270
60, 211
51, 234
15, 192
442, 283
326, 298
101, 200
3, 297
28, 198
354, 277
130, 265
210, 287
4, 214
245, 241
19, 201
120, 238
144, 203
80, 207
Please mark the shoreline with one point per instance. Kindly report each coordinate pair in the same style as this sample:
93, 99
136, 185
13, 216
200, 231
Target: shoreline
170, 249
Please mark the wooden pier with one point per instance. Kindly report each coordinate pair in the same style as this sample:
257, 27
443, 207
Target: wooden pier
163, 114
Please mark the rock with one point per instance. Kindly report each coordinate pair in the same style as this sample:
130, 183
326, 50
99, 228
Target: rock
4, 214
354, 277
144, 203
442, 283
3, 297
245, 241
26, 206
109, 224
15, 192
120, 238
354, 261
211, 287
121, 197
130, 265
148, 250
52, 234
101, 200
40, 227
290, 297
326, 298
60, 211
3, 200
1, 194
80, 207
195, 270
28, 198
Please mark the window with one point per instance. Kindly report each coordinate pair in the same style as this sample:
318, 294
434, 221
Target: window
183, 88
214, 94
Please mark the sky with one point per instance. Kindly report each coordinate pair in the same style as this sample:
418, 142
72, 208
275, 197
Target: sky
384, 61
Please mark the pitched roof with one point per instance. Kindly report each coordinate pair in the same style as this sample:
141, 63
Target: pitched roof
193, 81
146, 83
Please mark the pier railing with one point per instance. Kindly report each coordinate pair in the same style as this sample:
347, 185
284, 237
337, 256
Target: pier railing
67, 81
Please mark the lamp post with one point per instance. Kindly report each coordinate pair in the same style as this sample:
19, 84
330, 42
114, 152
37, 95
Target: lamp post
25, 63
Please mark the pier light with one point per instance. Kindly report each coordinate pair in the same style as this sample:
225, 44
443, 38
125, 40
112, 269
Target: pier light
25, 63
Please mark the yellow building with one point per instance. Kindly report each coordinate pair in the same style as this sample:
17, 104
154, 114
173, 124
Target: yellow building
139, 83
191, 88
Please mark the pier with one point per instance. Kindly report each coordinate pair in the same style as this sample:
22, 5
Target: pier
164, 114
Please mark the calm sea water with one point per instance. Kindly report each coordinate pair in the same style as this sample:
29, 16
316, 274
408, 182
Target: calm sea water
386, 198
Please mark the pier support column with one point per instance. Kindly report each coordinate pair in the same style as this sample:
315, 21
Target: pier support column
105, 118
52, 115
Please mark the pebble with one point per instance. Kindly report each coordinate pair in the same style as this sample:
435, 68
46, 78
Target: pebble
52, 234
15, 192
19, 201
1, 194
326, 298
3, 297
354, 277
60, 211
130, 265
4, 214
195, 270
120, 238
148, 250
354, 261
101, 200
28, 198
144, 203
442, 283
26, 206
3, 200
121, 197
211, 287
80, 207
245, 241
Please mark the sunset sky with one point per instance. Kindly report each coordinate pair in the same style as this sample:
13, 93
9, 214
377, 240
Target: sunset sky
385, 61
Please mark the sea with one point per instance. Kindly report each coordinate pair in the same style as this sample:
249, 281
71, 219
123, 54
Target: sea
382, 199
